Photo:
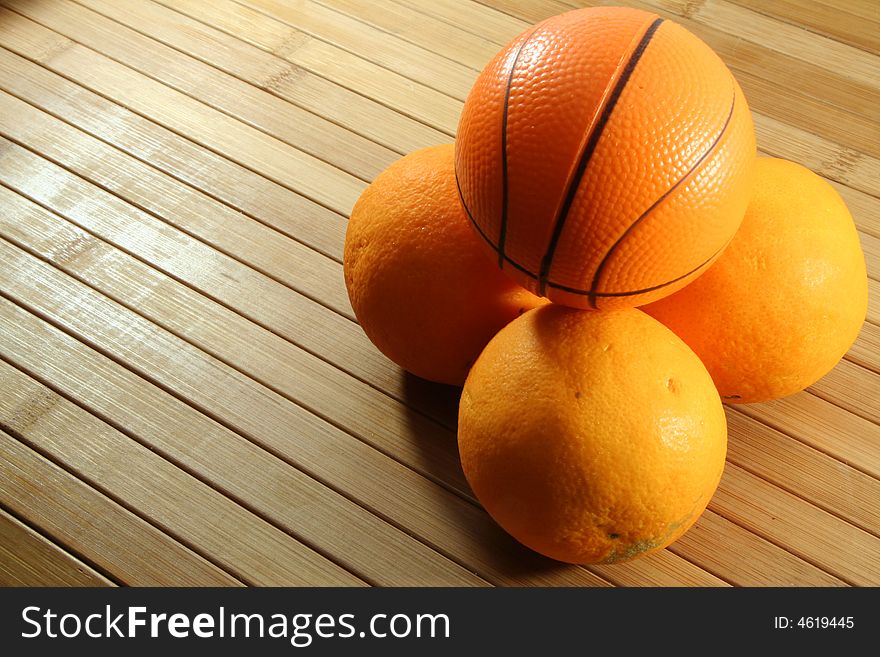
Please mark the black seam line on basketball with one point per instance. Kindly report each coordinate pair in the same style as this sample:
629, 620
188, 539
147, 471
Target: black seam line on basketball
565, 288
604, 262
502, 231
645, 289
485, 237
574, 290
467, 211
589, 148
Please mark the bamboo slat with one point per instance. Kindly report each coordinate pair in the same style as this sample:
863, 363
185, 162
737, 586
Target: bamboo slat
238, 187
302, 130
410, 98
804, 529
410, 60
243, 544
847, 385
28, 559
268, 71
841, 22
181, 113
292, 265
122, 544
720, 545
225, 460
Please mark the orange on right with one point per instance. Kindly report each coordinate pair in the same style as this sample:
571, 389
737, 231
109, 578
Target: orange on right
788, 297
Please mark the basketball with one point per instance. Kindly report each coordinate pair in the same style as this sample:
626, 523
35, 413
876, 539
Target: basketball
605, 157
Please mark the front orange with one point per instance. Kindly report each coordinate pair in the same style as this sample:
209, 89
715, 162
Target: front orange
605, 157
591, 437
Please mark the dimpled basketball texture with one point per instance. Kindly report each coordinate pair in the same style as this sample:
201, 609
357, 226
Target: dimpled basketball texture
591, 437
605, 157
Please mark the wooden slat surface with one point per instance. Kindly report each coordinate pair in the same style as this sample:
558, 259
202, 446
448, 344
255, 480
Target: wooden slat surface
29, 559
111, 537
185, 396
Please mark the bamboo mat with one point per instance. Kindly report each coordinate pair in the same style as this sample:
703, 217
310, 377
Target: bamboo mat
185, 397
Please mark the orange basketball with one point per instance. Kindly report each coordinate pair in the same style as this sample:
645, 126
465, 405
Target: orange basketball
605, 157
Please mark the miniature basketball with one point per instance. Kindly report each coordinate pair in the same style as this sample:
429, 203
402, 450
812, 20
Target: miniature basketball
605, 157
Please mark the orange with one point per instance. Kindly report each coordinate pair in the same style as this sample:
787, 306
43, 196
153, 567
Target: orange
787, 299
605, 157
418, 282
591, 437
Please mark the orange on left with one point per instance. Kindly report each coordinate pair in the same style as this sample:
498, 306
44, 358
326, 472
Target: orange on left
420, 286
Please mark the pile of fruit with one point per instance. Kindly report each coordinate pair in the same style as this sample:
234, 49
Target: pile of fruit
601, 260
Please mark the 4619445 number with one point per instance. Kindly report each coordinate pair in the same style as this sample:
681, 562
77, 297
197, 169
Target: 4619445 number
813, 622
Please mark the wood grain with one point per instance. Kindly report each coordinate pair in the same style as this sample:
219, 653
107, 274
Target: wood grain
112, 538
300, 171
408, 97
240, 542
225, 460
805, 530
418, 29
847, 385
805, 471
274, 74
28, 559
838, 21
302, 130
185, 397
237, 187
292, 265
719, 546
410, 60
